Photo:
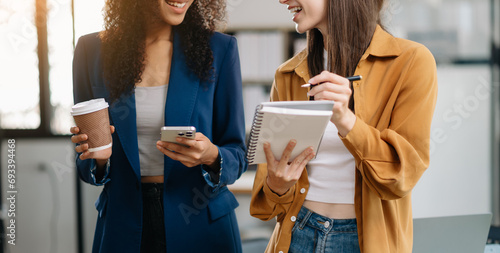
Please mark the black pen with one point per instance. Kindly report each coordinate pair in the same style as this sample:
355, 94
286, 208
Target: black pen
351, 79
354, 78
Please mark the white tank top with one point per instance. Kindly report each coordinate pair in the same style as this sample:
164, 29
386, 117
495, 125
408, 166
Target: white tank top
150, 110
332, 173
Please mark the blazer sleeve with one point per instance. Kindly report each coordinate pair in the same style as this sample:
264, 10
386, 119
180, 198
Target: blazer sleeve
229, 122
82, 91
392, 160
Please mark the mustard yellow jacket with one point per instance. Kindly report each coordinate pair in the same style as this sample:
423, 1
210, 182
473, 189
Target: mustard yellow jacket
394, 104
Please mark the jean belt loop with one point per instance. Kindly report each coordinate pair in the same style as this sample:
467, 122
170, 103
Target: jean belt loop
305, 219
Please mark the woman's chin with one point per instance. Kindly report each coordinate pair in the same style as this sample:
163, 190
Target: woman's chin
300, 29
173, 21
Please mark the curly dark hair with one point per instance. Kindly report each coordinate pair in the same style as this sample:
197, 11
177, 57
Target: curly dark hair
123, 39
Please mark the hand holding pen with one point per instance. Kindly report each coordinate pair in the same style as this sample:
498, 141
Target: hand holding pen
351, 79
330, 86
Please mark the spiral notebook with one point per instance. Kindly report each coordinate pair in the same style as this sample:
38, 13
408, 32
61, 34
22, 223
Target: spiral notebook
279, 122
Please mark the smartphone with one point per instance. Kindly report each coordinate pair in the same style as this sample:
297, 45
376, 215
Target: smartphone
171, 132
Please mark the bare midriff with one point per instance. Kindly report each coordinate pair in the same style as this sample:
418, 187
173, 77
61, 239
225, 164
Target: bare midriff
152, 179
331, 210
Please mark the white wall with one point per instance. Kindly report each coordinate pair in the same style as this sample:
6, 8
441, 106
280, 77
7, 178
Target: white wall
458, 179
45, 204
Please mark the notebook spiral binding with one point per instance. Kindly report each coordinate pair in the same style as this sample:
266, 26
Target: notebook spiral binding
254, 133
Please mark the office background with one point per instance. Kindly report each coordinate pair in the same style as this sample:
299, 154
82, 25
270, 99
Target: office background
55, 212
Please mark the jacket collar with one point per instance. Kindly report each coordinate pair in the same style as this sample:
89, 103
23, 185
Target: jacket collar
181, 97
382, 45
182, 89
123, 115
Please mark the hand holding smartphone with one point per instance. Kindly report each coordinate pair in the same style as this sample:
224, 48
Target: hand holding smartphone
169, 133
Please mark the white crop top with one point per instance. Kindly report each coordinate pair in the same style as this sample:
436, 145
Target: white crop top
332, 173
150, 110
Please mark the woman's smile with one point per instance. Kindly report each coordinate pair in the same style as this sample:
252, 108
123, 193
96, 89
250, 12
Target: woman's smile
177, 7
176, 4
307, 14
295, 11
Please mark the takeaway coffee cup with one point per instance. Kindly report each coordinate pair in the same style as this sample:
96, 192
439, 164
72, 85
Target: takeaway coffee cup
92, 119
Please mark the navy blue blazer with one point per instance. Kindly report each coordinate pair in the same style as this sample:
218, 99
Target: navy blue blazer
199, 213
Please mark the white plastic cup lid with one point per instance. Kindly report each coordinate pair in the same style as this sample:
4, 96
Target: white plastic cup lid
89, 106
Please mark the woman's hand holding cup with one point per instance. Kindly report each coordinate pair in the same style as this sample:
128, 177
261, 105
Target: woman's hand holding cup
91, 131
83, 146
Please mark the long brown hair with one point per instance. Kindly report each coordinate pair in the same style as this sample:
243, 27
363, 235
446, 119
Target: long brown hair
123, 39
351, 24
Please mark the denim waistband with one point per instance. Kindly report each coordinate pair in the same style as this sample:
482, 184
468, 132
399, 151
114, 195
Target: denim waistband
320, 222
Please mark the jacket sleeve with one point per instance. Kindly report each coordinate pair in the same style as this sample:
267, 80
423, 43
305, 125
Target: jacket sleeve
265, 204
82, 91
392, 160
229, 122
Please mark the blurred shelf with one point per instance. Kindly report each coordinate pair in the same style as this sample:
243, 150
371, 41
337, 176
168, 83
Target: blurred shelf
244, 184
258, 82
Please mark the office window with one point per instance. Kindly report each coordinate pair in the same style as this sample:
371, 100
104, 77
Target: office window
20, 96
88, 18
26, 62
60, 41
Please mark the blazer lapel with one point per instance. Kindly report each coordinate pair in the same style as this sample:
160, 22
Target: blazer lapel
181, 99
182, 90
123, 114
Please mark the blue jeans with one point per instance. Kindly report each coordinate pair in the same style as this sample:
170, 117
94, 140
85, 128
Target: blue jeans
319, 234
153, 229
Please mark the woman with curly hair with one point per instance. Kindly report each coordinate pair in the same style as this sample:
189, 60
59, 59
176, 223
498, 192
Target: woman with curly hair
161, 63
